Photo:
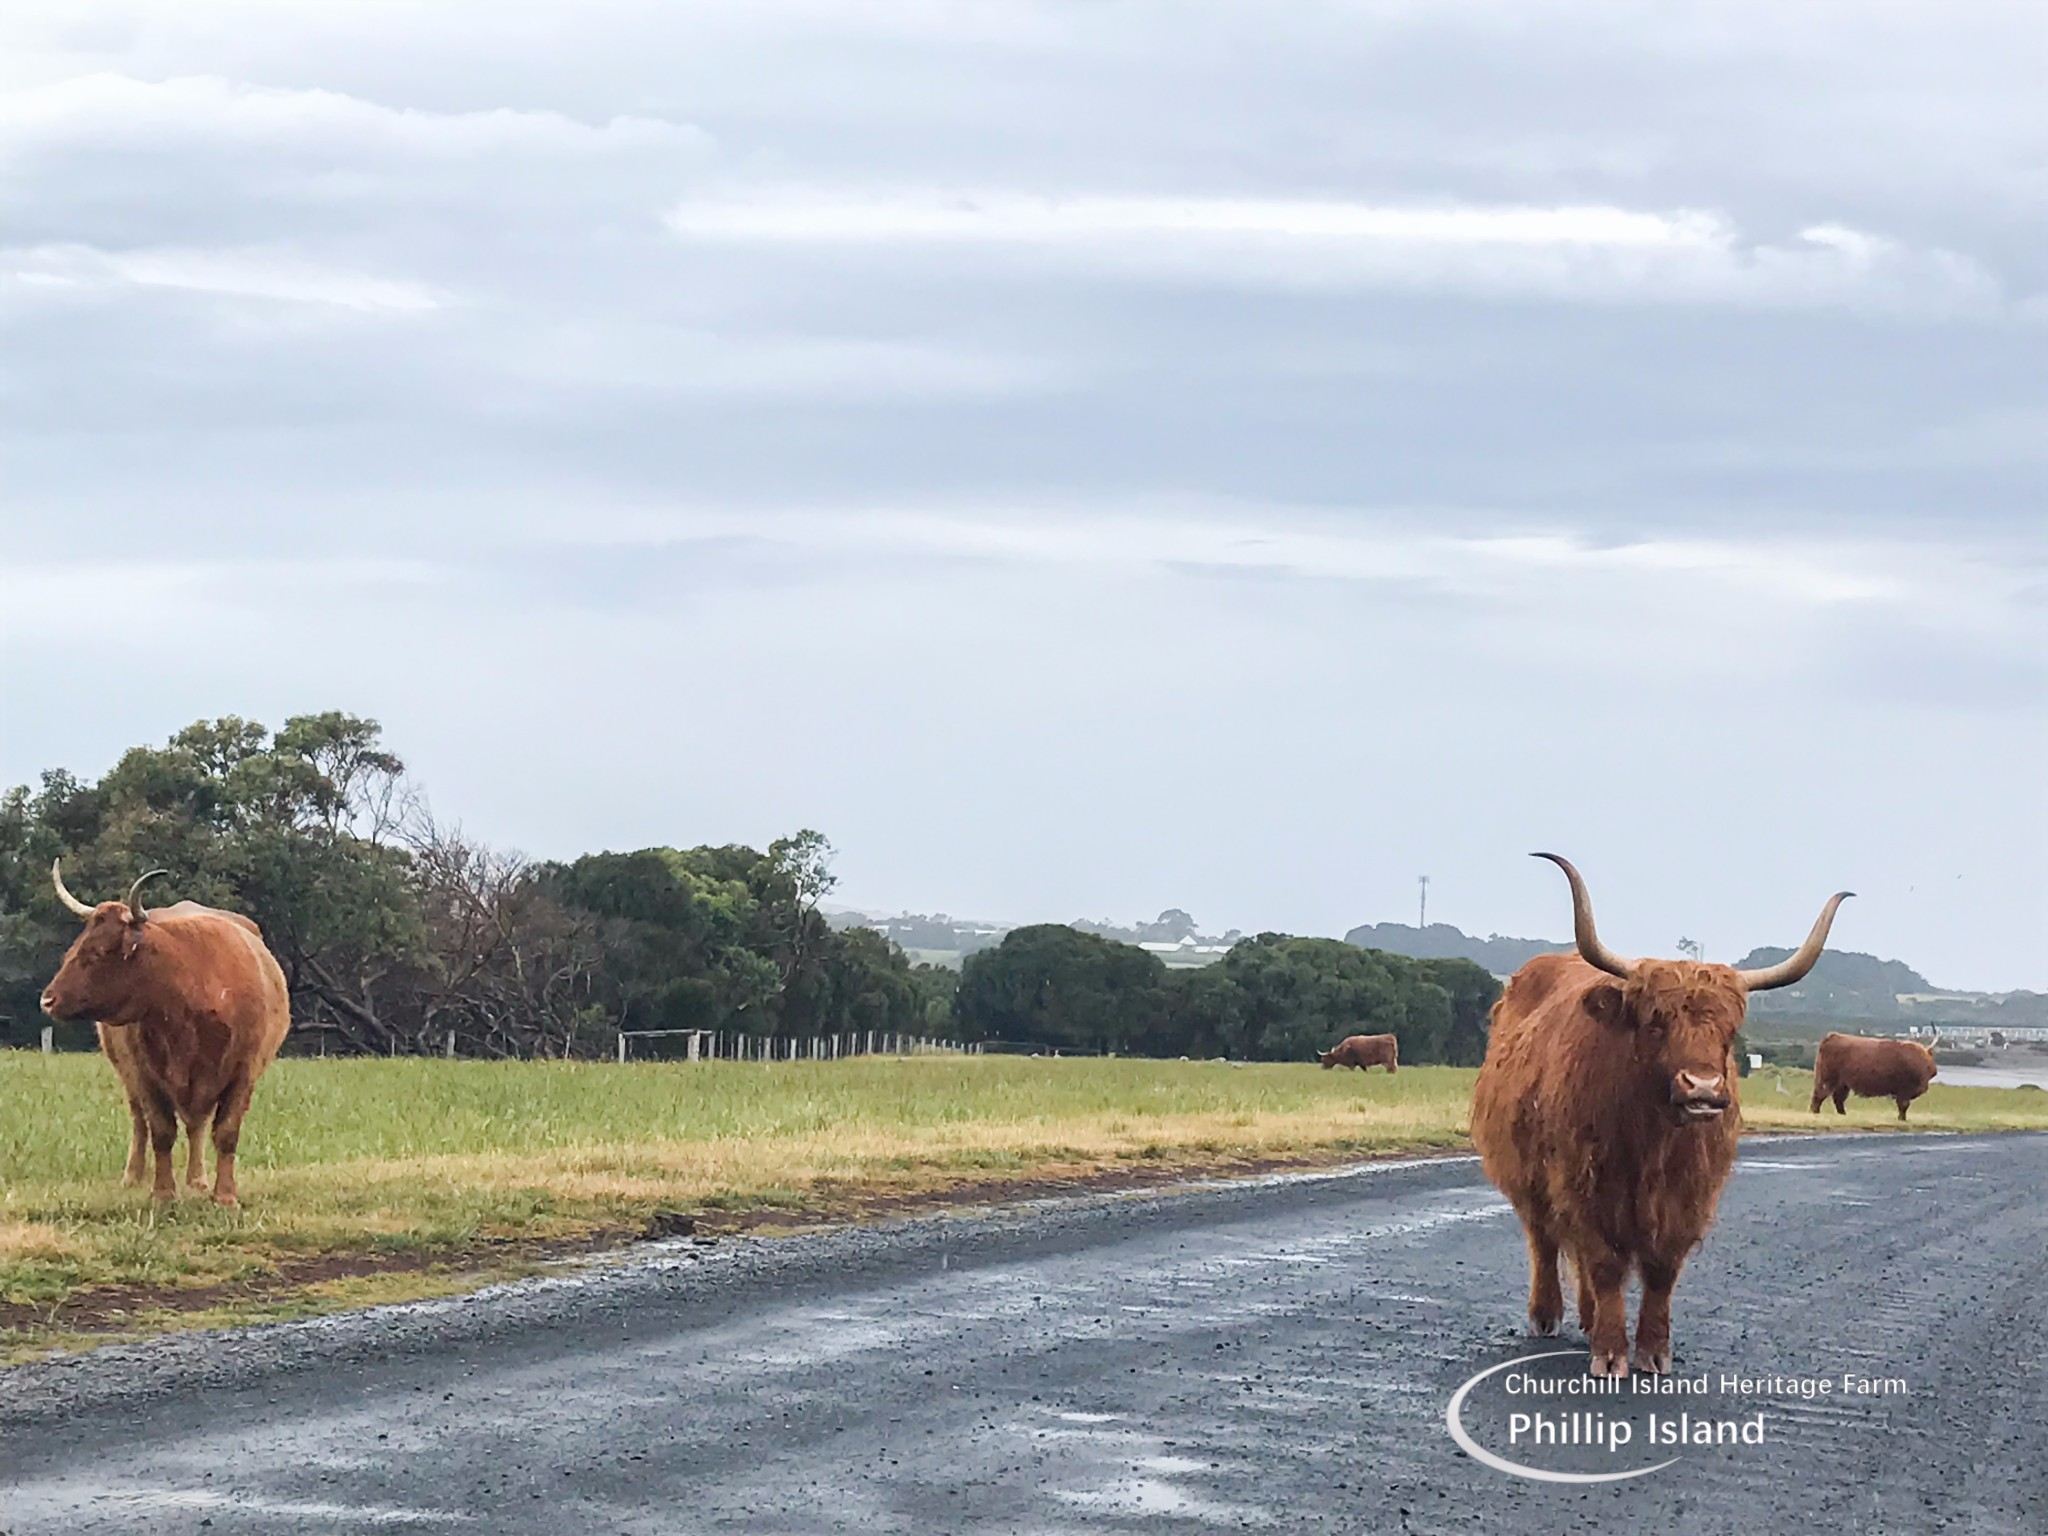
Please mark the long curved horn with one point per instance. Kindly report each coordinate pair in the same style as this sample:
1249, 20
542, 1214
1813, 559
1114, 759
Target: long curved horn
1786, 972
1591, 950
71, 902
136, 911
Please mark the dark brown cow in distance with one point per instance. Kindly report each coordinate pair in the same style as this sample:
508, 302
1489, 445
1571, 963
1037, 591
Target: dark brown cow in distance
1606, 1112
1364, 1051
191, 1008
1899, 1070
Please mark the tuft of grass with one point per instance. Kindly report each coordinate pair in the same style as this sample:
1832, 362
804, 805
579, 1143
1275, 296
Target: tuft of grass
434, 1167
317, 1299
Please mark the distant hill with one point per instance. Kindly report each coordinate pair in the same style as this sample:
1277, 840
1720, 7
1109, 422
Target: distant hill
1440, 941
1173, 926
1842, 984
1845, 984
946, 940
935, 937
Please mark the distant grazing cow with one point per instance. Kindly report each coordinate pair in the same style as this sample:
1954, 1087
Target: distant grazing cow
1363, 1051
1899, 1070
1606, 1112
191, 1008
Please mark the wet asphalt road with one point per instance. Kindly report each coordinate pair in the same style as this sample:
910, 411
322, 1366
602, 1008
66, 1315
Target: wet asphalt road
1275, 1356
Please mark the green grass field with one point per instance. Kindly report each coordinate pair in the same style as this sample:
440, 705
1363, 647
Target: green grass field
412, 1161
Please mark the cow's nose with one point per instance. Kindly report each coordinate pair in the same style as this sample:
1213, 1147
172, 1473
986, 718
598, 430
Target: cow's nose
48, 999
1691, 1085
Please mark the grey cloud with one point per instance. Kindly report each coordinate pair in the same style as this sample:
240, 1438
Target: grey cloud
353, 342
1579, 253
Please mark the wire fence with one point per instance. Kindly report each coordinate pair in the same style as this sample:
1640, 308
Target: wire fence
728, 1045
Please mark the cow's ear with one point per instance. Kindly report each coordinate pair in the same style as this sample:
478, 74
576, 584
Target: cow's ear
1604, 1002
131, 940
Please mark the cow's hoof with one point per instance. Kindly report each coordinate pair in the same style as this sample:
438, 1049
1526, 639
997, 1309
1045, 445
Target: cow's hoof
1610, 1363
228, 1202
1654, 1362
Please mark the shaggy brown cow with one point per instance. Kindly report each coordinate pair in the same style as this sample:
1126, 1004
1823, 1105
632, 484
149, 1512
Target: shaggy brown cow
194, 1006
1899, 1070
124, 1055
1606, 1113
1364, 1051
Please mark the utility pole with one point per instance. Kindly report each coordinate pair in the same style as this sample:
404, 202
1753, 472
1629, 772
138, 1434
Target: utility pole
1422, 907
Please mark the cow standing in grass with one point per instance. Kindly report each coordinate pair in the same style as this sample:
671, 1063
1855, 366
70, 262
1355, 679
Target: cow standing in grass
1899, 1070
191, 1008
124, 1054
1364, 1051
1606, 1112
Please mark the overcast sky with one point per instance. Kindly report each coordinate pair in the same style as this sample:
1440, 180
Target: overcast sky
1081, 457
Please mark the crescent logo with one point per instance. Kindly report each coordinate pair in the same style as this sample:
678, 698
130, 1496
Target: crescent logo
1478, 1452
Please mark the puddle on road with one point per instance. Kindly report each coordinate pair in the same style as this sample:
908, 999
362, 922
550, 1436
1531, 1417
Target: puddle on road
1153, 1496
84, 1504
1128, 1471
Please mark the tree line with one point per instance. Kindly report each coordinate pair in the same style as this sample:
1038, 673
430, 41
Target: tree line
396, 930
1274, 997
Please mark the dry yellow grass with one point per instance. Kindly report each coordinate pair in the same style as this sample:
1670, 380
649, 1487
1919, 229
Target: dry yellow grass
434, 1166
34, 1240
416, 1161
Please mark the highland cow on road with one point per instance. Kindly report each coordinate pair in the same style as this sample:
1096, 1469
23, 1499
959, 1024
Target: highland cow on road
1606, 1112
